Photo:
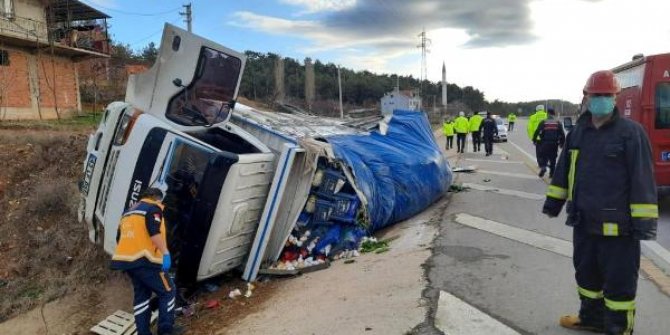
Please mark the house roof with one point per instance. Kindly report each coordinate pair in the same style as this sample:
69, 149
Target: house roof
74, 10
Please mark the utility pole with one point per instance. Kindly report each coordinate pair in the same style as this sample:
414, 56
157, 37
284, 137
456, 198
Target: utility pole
424, 45
339, 84
188, 17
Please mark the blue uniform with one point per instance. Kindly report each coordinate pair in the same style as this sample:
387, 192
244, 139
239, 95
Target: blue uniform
606, 177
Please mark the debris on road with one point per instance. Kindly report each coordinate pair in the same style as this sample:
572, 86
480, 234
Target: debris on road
455, 188
465, 169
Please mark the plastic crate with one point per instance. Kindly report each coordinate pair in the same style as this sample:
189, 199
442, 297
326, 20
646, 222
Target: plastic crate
323, 211
345, 207
330, 180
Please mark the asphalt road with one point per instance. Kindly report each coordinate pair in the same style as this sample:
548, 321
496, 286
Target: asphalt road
498, 256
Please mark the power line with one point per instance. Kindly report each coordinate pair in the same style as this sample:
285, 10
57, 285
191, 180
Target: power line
152, 34
130, 13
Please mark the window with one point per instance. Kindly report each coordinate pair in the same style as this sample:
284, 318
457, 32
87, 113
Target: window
4, 58
206, 100
663, 106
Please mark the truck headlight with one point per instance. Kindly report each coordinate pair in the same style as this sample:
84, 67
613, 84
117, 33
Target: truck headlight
125, 126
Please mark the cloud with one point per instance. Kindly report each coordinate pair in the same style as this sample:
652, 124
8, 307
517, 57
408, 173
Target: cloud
315, 6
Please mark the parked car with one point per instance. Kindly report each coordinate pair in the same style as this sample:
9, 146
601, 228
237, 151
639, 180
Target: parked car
502, 130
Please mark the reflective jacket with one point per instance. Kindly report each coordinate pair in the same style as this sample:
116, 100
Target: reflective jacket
511, 117
606, 176
533, 121
448, 129
549, 131
461, 125
475, 122
135, 247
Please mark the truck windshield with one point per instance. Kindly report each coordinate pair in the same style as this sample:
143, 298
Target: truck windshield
663, 106
206, 100
185, 170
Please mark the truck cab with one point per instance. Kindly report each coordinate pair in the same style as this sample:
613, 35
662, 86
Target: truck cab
645, 98
172, 132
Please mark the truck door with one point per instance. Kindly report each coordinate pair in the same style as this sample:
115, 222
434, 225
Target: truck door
660, 136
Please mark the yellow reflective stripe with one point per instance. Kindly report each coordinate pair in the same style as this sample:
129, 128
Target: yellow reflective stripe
590, 294
649, 211
610, 229
620, 305
630, 322
557, 192
574, 154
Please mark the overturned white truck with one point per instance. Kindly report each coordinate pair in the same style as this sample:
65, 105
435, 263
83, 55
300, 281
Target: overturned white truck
224, 177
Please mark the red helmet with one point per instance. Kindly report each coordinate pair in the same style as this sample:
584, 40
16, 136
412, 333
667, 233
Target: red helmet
602, 82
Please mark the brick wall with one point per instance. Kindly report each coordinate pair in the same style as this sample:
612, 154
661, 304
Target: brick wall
14, 85
64, 84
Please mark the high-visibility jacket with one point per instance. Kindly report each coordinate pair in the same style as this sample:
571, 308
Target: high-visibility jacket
448, 129
534, 121
606, 176
475, 122
511, 117
462, 125
135, 247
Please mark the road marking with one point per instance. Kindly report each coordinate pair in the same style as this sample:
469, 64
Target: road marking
456, 317
540, 241
555, 245
531, 157
493, 161
658, 250
520, 194
510, 174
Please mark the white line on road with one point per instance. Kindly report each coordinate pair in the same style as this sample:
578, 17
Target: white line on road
456, 317
493, 161
658, 250
520, 194
524, 236
510, 174
531, 157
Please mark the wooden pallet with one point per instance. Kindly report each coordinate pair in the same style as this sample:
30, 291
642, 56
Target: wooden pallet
119, 323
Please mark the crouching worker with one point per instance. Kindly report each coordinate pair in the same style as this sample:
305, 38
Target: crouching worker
143, 254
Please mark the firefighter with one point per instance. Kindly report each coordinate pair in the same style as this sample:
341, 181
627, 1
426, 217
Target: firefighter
475, 124
448, 129
143, 254
606, 176
462, 127
548, 137
511, 119
534, 120
489, 129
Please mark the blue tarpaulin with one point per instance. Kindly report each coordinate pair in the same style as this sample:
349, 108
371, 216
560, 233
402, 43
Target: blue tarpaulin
401, 172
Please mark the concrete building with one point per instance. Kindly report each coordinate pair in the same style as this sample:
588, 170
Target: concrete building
398, 99
40, 43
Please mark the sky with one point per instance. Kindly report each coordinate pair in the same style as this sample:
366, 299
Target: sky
512, 50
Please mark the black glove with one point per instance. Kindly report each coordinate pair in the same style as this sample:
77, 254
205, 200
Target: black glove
552, 207
644, 229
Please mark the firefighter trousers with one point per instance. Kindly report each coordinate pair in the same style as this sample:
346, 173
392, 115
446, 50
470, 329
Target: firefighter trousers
546, 156
488, 144
145, 282
606, 269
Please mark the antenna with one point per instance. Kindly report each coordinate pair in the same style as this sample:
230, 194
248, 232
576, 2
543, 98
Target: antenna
424, 45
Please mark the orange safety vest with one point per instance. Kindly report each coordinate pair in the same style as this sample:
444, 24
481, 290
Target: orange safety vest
135, 246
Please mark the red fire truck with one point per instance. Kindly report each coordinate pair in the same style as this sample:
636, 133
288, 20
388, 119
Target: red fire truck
645, 98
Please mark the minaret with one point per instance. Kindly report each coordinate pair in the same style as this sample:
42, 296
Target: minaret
444, 85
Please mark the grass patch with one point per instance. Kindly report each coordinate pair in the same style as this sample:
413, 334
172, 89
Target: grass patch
84, 120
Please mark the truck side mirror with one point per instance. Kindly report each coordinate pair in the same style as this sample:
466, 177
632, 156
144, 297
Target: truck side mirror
177, 82
231, 104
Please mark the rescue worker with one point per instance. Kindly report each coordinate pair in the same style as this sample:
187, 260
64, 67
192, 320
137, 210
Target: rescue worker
489, 129
534, 120
548, 137
511, 119
143, 254
605, 173
475, 124
462, 127
448, 130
